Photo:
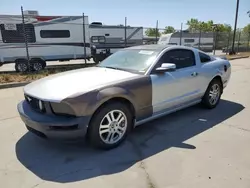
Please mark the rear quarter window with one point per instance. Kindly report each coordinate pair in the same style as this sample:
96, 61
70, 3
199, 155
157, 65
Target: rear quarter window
204, 58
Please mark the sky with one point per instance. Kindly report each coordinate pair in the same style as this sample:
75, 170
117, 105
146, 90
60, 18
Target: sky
138, 12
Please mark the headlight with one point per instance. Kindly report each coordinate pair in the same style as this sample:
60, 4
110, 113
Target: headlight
62, 109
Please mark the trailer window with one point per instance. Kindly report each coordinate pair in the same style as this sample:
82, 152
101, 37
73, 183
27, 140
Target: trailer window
98, 39
189, 40
54, 33
15, 34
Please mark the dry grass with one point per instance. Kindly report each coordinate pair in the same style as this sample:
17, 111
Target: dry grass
241, 54
26, 77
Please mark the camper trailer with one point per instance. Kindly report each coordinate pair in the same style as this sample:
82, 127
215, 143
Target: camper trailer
48, 38
189, 39
107, 39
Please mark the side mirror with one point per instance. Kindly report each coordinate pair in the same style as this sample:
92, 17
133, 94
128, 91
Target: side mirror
166, 67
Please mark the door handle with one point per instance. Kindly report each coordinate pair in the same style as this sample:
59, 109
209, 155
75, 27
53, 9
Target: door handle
194, 74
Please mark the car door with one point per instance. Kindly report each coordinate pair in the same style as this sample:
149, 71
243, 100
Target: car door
179, 87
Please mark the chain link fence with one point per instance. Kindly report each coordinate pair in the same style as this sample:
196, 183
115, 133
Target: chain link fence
31, 41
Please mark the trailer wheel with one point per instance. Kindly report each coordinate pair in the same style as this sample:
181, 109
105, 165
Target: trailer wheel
21, 65
96, 60
37, 64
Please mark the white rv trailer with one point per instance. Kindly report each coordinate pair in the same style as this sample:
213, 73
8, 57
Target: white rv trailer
49, 38
110, 38
189, 39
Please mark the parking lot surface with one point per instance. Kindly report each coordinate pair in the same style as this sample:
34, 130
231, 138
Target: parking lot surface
194, 147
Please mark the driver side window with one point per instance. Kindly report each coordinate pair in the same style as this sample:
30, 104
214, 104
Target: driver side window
182, 58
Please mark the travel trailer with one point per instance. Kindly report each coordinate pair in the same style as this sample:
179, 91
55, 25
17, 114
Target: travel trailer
107, 39
189, 39
49, 38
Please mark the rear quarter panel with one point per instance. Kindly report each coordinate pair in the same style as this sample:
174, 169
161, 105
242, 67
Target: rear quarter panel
217, 67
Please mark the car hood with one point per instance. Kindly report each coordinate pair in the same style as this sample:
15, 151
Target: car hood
62, 85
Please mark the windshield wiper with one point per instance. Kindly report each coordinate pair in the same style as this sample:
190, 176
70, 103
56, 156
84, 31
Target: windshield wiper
109, 67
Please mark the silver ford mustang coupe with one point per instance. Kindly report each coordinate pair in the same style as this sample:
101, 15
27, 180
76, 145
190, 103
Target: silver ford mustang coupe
130, 87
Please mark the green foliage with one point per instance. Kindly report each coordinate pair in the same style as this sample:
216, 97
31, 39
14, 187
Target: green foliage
151, 32
169, 29
194, 25
246, 29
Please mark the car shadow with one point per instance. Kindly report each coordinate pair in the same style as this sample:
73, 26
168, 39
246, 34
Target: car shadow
60, 162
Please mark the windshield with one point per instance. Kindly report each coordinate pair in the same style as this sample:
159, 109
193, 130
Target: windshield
130, 60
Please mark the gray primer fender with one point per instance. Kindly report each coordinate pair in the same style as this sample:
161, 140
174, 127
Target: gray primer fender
138, 91
115, 92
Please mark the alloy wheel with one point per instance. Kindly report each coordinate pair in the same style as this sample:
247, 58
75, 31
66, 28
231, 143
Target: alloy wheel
113, 126
214, 94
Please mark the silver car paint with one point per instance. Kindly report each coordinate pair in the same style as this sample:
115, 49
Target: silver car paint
171, 92
60, 86
181, 86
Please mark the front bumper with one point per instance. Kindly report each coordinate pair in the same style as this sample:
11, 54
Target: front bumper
52, 126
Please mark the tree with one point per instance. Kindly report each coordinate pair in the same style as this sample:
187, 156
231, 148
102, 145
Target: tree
246, 29
193, 25
205, 26
168, 29
151, 32
224, 28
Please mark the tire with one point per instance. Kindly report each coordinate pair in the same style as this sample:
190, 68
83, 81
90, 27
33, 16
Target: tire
101, 136
96, 60
37, 65
212, 95
21, 65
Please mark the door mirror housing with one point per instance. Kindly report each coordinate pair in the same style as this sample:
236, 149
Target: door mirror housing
166, 67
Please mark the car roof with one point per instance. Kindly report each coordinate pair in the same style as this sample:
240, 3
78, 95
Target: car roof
155, 47
158, 47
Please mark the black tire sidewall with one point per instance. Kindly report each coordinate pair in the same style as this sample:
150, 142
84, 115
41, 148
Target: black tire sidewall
32, 62
93, 130
18, 63
205, 99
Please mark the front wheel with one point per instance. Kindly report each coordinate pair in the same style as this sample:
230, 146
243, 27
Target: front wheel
213, 94
110, 126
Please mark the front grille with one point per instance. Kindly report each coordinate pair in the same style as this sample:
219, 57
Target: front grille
34, 103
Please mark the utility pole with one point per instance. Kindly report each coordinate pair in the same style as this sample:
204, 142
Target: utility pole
84, 37
238, 41
228, 41
125, 33
235, 25
25, 40
181, 34
156, 31
214, 37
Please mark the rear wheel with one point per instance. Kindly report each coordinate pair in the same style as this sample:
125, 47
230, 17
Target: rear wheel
213, 94
21, 65
110, 126
37, 64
